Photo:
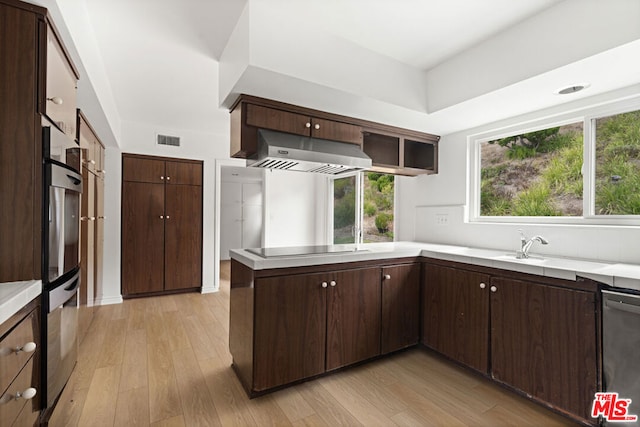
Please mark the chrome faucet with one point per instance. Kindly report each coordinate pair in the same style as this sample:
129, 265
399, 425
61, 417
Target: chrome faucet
525, 244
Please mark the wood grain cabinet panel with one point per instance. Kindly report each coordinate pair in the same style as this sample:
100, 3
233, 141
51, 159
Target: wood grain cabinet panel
142, 237
183, 237
353, 316
290, 329
543, 342
20, 146
400, 307
336, 131
139, 169
456, 315
161, 225
183, 173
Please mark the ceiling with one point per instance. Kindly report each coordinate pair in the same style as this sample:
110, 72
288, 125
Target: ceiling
163, 60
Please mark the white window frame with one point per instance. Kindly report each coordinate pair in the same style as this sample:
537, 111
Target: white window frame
587, 117
359, 227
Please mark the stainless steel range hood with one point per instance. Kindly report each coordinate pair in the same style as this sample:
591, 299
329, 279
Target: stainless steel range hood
277, 150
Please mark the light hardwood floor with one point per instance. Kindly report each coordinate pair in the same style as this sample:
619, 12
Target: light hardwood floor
164, 361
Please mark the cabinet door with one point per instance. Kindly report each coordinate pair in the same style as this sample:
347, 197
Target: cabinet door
137, 169
400, 307
86, 140
61, 87
142, 237
290, 329
183, 237
336, 131
20, 154
87, 253
456, 314
353, 316
270, 118
543, 342
99, 237
183, 173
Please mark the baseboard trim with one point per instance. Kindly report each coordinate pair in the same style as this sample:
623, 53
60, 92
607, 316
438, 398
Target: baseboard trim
109, 300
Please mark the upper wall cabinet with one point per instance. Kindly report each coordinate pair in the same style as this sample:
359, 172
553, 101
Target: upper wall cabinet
393, 150
61, 85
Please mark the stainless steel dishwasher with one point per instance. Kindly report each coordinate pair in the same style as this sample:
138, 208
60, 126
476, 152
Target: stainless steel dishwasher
621, 348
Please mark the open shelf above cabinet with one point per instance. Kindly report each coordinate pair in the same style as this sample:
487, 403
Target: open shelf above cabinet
399, 154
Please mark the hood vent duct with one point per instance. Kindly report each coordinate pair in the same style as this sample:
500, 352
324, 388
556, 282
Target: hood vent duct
277, 150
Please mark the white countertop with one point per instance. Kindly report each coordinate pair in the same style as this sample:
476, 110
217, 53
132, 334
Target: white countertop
15, 295
612, 274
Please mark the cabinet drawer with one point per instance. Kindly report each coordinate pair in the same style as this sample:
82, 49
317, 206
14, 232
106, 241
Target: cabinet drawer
11, 362
10, 407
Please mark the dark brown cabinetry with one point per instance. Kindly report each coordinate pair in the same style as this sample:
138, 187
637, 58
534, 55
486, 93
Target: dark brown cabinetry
393, 150
399, 153
286, 327
400, 307
456, 314
301, 318
20, 145
301, 124
19, 367
538, 336
161, 224
543, 342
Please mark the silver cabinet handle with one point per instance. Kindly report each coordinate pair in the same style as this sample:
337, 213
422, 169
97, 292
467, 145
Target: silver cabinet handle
27, 394
316, 126
482, 286
324, 284
168, 178
332, 283
168, 217
307, 125
162, 177
387, 277
161, 216
494, 289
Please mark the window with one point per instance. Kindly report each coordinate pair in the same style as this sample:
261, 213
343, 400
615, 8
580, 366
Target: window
617, 164
543, 172
363, 208
533, 174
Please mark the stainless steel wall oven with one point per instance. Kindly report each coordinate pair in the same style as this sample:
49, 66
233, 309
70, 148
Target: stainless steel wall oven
61, 259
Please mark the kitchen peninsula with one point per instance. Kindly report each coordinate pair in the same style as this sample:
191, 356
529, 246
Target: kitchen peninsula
295, 316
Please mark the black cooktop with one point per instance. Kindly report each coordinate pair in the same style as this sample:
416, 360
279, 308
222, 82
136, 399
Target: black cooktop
303, 250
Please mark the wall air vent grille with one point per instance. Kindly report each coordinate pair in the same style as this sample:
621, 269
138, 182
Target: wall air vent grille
173, 141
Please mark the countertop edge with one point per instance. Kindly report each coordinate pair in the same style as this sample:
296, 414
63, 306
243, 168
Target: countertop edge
612, 274
16, 295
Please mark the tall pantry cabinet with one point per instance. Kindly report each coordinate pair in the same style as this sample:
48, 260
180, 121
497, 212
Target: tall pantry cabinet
91, 219
161, 225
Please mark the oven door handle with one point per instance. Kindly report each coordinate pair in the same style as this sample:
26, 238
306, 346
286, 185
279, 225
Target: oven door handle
75, 180
64, 292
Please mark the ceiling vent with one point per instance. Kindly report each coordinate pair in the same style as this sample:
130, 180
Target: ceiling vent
174, 141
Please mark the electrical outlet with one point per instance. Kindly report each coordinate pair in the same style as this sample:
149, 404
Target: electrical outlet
442, 219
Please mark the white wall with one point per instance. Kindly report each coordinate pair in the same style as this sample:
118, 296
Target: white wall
140, 138
421, 199
295, 208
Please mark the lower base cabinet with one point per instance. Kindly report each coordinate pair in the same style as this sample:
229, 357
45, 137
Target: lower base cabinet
286, 328
539, 338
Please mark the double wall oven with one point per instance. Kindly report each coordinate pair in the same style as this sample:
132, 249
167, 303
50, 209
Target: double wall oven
61, 258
